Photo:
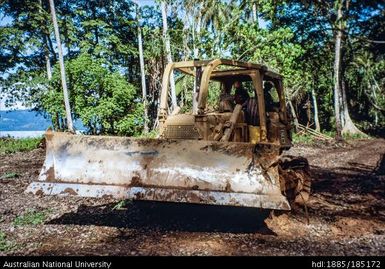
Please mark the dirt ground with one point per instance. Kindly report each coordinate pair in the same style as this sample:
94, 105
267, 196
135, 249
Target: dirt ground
346, 215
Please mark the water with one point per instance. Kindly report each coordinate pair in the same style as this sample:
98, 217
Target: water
26, 123
21, 134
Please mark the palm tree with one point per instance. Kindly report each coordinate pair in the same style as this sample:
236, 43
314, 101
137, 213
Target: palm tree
211, 15
216, 17
251, 8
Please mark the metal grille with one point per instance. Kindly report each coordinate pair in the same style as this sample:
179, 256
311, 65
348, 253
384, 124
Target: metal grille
283, 136
181, 131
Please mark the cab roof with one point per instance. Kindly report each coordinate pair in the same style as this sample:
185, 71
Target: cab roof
227, 69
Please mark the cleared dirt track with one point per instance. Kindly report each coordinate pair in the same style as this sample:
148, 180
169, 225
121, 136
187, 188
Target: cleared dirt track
346, 215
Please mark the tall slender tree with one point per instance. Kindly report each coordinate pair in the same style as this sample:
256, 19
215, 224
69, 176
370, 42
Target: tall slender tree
315, 107
255, 14
62, 67
337, 69
142, 72
46, 48
166, 39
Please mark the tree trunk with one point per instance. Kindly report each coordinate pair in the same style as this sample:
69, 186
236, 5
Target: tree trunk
166, 38
186, 26
193, 37
315, 105
186, 50
340, 98
96, 32
198, 34
349, 126
141, 61
67, 40
375, 98
295, 119
55, 120
62, 68
197, 28
48, 65
337, 63
50, 45
46, 49
255, 14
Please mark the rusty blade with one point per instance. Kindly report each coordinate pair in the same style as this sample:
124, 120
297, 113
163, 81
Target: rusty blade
154, 169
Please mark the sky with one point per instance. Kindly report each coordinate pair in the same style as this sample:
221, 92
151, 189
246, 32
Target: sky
4, 20
146, 2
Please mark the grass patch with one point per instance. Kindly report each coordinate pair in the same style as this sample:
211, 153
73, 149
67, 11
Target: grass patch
5, 245
12, 145
151, 134
121, 205
302, 139
332, 134
350, 136
9, 175
32, 217
306, 138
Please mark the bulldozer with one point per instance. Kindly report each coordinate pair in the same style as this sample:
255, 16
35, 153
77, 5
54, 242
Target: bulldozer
213, 154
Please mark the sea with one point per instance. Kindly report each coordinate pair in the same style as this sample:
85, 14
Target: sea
26, 123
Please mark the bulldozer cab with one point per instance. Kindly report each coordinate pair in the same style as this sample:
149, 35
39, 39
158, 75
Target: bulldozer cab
261, 118
214, 154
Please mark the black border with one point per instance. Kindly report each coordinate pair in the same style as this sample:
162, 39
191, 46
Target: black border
315, 262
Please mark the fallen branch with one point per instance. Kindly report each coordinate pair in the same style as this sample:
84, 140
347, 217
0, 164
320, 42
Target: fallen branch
318, 135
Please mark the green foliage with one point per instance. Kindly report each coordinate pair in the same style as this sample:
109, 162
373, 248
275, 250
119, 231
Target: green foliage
308, 139
329, 133
31, 217
366, 74
101, 98
314, 25
276, 49
9, 175
302, 139
121, 205
5, 245
12, 145
213, 94
349, 136
151, 134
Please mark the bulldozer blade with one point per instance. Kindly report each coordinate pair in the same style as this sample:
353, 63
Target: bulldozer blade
190, 171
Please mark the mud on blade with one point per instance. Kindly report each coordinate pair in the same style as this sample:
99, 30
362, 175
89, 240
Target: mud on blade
189, 171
